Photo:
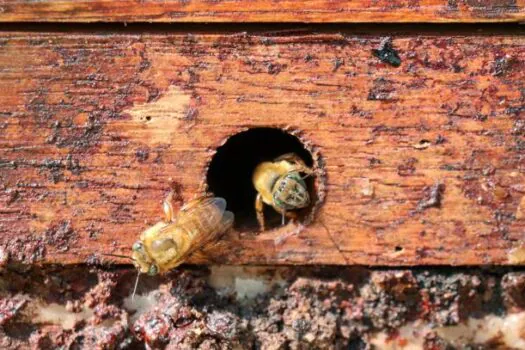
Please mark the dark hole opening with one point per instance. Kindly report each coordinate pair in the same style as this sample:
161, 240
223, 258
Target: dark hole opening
230, 172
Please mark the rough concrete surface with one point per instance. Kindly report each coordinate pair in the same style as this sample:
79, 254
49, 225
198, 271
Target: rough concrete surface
261, 308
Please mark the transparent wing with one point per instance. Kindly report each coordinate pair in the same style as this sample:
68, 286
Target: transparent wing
206, 212
206, 220
227, 221
198, 215
212, 243
202, 204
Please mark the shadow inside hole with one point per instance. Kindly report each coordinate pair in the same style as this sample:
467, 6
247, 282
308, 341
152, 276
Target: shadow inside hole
230, 172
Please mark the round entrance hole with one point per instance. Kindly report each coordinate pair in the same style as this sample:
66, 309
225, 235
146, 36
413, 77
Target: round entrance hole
231, 168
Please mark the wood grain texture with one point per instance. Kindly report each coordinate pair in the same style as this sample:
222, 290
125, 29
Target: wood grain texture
95, 129
313, 11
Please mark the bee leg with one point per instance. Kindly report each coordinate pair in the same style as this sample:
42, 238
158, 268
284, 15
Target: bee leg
291, 215
288, 214
306, 170
259, 209
290, 157
167, 206
210, 253
298, 163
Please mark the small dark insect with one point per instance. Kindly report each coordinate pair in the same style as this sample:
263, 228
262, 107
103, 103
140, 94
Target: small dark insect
386, 53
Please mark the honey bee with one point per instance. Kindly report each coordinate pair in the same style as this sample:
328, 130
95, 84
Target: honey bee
170, 242
280, 185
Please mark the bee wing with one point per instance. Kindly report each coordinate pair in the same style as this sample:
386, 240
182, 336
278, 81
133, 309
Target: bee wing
205, 203
201, 213
210, 234
227, 221
202, 252
207, 219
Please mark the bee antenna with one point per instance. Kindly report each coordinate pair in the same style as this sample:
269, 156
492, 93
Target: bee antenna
117, 256
136, 285
307, 176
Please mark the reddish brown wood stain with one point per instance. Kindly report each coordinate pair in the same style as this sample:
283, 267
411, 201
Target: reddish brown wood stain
317, 11
96, 128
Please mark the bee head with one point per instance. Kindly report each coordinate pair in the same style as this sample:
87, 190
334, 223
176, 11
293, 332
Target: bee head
142, 260
290, 192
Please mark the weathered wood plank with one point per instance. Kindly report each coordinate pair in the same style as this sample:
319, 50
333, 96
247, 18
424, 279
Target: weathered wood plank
95, 129
314, 11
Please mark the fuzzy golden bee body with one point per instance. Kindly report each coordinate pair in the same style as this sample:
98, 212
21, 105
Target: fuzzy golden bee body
169, 243
280, 185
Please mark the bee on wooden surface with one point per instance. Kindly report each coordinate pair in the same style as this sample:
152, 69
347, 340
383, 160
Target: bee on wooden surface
280, 185
170, 242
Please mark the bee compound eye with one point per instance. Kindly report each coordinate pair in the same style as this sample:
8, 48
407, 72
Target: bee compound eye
278, 202
137, 246
153, 270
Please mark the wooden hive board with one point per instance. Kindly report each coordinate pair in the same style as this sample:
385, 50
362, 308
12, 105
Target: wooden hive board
313, 11
95, 128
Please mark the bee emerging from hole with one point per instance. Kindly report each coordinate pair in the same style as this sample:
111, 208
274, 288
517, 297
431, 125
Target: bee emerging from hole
280, 185
169, 243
